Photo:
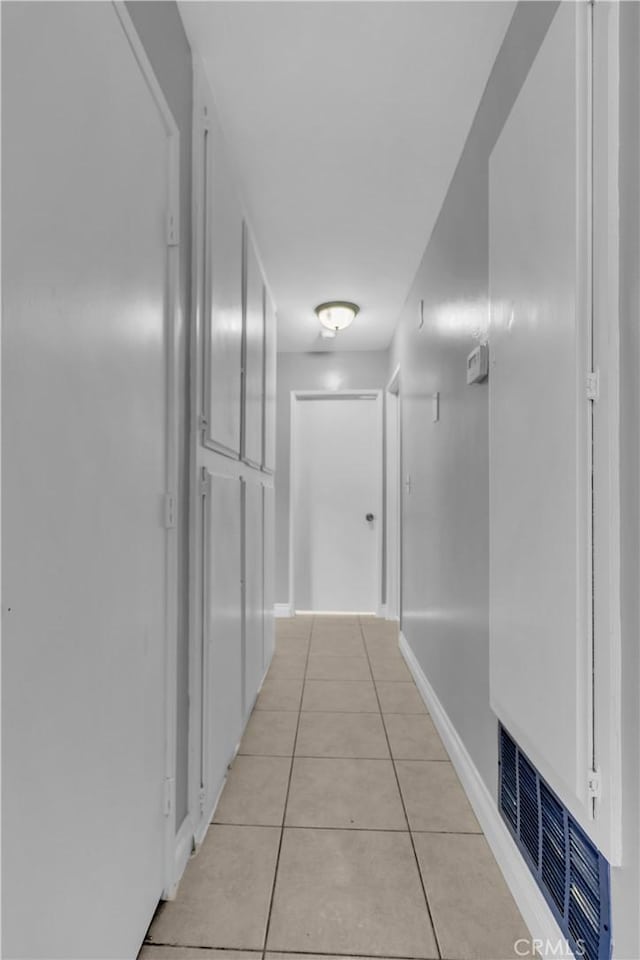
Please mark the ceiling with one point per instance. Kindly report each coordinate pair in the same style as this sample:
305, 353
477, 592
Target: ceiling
344, 121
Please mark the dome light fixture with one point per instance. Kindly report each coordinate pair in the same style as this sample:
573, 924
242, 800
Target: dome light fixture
336, 314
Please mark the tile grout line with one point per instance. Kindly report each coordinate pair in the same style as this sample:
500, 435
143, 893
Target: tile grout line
327, 756
286, 797
294, 953
392, 713
351, 829
404, 808
350, 713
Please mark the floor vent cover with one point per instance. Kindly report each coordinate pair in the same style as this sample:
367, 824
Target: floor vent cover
572, 874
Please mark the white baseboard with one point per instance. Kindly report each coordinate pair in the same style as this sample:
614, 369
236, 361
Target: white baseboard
384, 611
269, 657
536, 914
183, 850
207, 816
282, 610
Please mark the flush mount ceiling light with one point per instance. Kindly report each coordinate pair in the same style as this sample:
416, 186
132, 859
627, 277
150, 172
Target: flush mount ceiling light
336, 314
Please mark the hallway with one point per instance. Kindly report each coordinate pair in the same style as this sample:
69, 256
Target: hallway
311, 310
342, 828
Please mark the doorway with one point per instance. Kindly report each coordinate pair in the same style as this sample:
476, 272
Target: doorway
336, 502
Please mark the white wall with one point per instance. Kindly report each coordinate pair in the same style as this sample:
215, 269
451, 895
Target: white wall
324, 370
446, 517
89, 608
446, 522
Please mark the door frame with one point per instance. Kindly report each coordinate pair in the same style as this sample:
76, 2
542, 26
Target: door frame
393, 499
606, 827
171, 504
301, 395
172, 326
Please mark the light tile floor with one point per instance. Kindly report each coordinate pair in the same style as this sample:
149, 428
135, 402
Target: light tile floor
343, 829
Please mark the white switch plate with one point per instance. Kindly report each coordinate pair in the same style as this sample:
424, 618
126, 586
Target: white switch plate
478, 364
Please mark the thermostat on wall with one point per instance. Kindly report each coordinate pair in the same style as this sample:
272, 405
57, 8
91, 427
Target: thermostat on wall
478, 364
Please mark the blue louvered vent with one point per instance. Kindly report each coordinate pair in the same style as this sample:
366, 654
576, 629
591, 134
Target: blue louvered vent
572, 874
554, 853
529, 809
509, 779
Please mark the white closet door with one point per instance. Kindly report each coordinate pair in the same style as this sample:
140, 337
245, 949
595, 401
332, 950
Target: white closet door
253, 356
540, 429
222, 666
270, 364
221, 238
85, 178
253, 592
269, 564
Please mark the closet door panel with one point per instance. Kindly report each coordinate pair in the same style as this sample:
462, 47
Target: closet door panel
269, 569
253, 392
221, 297
253, 592
222, 668
270, 333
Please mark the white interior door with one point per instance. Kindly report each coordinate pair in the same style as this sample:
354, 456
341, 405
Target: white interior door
540, 416
337, 521
85, 339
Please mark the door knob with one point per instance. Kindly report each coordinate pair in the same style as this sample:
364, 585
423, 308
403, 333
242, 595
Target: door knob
369, 517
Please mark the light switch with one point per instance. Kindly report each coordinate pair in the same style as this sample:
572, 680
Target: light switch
478, 364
